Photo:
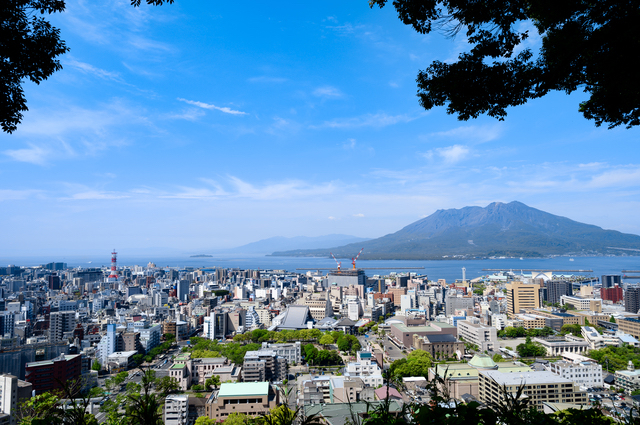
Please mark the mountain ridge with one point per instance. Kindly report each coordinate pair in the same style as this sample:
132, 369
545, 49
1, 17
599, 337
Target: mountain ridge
499, 229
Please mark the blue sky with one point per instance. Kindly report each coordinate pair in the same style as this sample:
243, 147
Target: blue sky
205, 125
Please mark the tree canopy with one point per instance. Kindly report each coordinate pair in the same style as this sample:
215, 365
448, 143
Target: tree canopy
29, 50
584, 46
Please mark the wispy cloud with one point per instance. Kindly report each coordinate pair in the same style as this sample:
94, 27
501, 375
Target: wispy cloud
368, 120
328, 92
89, 69
188, 114
33, 154
97, 195
470, 133
349, 144
359, 215
16, 195
203, 105
625, 176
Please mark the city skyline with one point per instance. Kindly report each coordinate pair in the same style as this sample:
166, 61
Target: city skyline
195, 128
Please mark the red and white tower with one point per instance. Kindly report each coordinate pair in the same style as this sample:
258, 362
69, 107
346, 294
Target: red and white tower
114, 272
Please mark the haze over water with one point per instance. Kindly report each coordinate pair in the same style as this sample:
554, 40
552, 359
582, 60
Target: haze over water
438, 269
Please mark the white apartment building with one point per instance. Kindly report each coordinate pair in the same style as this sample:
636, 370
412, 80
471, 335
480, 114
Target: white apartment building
597, 341
365, 369
585, 374
13, 391
176, 409
290, 351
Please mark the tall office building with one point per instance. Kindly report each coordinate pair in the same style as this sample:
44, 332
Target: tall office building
182, 290
107, 344
632, 299
54, 282
556, 289
521, 296
61, 322
609, 280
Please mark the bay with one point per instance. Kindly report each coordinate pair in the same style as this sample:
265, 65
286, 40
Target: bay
434, 269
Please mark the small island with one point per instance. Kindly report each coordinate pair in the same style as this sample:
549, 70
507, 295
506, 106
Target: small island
202, 256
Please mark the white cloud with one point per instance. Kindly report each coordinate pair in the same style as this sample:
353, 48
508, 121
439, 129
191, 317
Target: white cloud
331, 218
349, 144
210, 106
621, 177
328, 92
358, 215
449, 154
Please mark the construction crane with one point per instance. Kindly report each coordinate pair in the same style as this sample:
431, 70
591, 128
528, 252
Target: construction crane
353, 260
339, 263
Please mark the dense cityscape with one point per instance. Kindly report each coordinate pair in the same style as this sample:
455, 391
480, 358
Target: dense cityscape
209, 345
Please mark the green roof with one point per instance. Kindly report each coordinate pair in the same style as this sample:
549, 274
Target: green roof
177, 366
240, 389
482, 361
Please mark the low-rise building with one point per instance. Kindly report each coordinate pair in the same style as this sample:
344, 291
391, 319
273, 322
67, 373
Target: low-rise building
597, 341
629, 379
365, 369
556, 346
630, 325
250, 398
585, 374
120, 360
439, 346
538, 387
403, 334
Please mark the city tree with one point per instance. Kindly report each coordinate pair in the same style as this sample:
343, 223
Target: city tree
584, 46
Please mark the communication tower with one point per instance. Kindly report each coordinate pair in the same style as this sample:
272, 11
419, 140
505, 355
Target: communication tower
114, 261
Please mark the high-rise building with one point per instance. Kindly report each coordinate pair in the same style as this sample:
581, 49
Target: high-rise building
632, 299
54, 282
61, 322
521, 296
556, 289
107, 344
263, 365
182, 290
609, 280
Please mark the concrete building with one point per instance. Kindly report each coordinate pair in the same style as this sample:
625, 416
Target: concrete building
346, 278
107, 344
629, 379
61, 323
539, 387
404, 334
453, 303
52, 374
176, 409
585, 374
119, 361
556, 347
182, 290
290, 351
556, 289
485, 337
251, 398
366, 369
215, 325
263, 365
632, 299
613, 294
597, 341
521, 296
630, 326
609, 281
13, 391
332, 389
439, 346
589, 304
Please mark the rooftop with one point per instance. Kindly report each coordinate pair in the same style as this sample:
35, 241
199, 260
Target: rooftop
243, 389
526, 378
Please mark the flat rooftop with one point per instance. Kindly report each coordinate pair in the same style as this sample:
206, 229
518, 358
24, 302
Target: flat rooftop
243, 389
526, 378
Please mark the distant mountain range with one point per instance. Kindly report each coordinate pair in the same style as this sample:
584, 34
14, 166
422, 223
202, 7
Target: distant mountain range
279, 243
511, 230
